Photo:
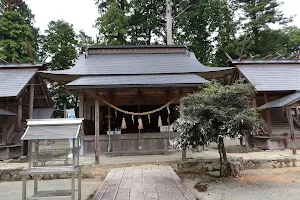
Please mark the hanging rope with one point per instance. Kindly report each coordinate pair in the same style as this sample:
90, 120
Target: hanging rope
134, 113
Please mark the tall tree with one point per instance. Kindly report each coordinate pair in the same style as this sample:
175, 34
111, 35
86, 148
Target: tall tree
196, 26
210, 115
293, 41
60, 45
146, 21
84, 41
18, 36
259, 15
112, 25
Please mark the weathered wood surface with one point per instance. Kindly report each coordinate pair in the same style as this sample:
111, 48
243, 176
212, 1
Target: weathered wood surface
142, 183
129, 142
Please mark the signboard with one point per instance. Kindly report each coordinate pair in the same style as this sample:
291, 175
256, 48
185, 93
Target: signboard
70, 113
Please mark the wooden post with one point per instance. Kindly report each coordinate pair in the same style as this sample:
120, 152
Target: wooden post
19, 119
183, 153
31, 100
4, 126
291, 123
24, 177
81, 115
268, 115
97, 131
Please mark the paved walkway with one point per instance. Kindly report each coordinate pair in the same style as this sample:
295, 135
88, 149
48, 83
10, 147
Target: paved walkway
143, 183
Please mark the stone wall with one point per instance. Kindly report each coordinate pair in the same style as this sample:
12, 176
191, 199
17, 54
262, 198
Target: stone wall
214, 165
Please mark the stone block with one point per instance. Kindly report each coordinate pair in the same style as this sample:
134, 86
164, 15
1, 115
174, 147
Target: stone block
215, 166
287, 164
297, 164
210, 168
188, 164
265, 166
174, 167
276, 165
5, 177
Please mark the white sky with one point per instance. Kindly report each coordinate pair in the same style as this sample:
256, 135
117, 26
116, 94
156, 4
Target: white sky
83, 13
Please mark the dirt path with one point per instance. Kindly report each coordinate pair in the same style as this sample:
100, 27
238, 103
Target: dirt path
259, 184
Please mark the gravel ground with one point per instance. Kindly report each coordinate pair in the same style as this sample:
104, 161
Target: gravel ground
258, 184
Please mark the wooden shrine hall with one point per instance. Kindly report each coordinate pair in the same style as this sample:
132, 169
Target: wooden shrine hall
23, 95
129, 94
277, 82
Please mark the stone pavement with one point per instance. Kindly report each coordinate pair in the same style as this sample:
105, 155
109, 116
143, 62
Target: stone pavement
143, 183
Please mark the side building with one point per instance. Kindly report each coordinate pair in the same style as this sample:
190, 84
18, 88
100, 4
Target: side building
277, 99
23, 95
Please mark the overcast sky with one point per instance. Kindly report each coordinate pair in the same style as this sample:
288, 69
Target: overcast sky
83, 13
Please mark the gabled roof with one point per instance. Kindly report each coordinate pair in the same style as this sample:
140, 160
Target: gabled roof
13, 80
282, 102
275, 77
136, 64
165, 80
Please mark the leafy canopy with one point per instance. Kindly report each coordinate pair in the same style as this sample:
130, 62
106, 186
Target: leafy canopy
18, 36
215, 111
60, 44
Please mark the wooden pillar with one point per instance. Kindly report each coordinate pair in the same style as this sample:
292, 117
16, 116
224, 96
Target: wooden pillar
291, 124
97, 131
19, 119
268, 115
183, 153
31, 100
81, 115
81, 106
5, 125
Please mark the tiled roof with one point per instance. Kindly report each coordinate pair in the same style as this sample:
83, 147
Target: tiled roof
136, 64
273, 77
281, 102
138, 81
13, 80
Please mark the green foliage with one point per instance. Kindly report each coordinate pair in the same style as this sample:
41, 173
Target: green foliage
255, 35
16, 30
84, 41
198, 24
60, 43
146, 21
215, 111
293, 41
113, 25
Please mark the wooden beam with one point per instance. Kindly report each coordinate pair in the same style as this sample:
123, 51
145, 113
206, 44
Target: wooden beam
19, 118
97, 131
40, 97
31, 101
268, 116
81, 105
4, 126
292, 128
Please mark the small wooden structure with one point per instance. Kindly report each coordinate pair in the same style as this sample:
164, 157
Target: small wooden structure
128, 94
22, 91
277, 82
52, 129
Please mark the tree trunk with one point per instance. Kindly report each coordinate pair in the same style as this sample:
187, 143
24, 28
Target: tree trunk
226, 167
